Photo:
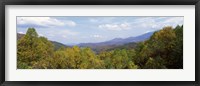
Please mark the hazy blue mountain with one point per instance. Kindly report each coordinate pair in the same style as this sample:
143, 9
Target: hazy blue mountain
118, 41
139, 38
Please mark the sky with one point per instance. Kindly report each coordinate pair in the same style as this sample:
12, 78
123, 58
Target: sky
92, 29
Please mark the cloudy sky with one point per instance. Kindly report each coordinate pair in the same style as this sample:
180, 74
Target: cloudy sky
74, 30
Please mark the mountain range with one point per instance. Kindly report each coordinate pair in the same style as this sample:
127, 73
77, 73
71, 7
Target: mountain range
120, 43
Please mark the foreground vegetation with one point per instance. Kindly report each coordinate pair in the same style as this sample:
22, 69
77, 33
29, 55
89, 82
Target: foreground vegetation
163, 50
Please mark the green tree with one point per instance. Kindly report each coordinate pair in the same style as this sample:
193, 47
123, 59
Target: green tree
176, 60
26, 49
162, 50
32, 50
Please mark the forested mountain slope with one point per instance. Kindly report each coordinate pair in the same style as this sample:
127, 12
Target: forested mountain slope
163, 50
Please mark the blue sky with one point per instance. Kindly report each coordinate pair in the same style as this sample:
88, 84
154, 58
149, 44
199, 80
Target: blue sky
91, 29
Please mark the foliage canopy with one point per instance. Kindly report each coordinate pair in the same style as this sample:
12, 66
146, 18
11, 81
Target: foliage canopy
164, 49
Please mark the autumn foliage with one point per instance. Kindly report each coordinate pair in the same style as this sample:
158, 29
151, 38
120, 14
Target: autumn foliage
163, 50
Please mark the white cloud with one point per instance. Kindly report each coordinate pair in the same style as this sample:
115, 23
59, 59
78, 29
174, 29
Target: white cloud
21, 32
160, 18
68, 32
96, 36
70, 23
51, 35
101, 19
173, 21
93, 20
147, 31
116, 27
64, 36
153, 24
41, 35
44, 21
146, 22
55, 34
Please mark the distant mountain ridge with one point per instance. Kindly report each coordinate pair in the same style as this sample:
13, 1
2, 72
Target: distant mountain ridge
119, 41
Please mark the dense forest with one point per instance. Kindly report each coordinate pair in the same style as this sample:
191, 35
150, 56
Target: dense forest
163, 50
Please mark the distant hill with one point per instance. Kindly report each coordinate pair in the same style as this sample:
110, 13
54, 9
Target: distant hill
99, 49
129, 46
139, 38
57, 45
117, 43
19, 36
120, 43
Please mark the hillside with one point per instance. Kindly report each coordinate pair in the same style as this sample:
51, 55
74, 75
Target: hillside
117, 43
56, 44
127, 46
163, 50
